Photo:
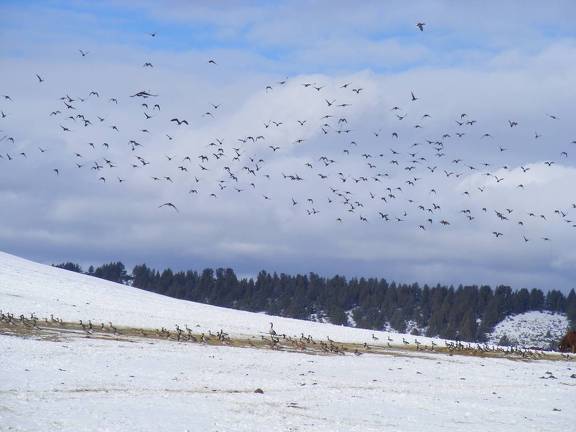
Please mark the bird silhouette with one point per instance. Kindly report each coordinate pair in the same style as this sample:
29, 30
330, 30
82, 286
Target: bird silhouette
179, 122
169, 204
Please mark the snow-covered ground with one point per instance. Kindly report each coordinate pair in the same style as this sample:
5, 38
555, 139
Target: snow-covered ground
89, 385
531, 329
80, 383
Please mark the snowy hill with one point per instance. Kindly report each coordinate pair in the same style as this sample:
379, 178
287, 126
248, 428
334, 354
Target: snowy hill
28, 287
530, 329
76, 380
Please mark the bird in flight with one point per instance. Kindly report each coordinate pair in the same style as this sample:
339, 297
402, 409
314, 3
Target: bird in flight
169, 204
40, 79
421, 25
83, 53
179, 121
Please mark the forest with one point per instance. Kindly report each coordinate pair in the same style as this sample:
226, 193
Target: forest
464, 313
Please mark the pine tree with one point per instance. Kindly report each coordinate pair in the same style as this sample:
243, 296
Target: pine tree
536, 300
521, 301
555, 301
469, 327
70, 266
115, 272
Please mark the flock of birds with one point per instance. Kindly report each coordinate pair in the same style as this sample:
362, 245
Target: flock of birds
271, 339
364, 176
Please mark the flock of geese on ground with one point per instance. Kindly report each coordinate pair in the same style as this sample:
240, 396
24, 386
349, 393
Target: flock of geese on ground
367, 176
270, 339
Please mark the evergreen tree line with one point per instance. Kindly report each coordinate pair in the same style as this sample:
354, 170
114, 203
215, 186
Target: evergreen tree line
464, 312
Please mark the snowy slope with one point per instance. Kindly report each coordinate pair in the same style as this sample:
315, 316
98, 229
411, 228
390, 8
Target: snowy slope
27, 287
531, 329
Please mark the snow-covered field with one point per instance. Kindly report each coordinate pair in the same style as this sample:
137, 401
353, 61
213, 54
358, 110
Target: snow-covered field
81, 383
89, 385
531, 329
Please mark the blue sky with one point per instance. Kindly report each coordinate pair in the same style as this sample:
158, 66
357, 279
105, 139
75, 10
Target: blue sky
185, 26
494, 61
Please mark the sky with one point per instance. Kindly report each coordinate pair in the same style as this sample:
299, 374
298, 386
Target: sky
242, 206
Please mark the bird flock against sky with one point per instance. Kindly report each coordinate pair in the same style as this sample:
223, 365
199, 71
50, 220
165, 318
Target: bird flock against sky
421, 150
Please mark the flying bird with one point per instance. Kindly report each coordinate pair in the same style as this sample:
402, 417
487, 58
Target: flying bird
179, 121
169, 204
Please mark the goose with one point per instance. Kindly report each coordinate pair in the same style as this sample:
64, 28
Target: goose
272, 332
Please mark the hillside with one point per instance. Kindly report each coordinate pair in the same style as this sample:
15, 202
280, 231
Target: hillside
466, 312
69, 380
27, 287
531, 329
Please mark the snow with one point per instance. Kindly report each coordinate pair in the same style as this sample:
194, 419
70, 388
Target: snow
88, 384
77, 382
531, 329
350, 318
